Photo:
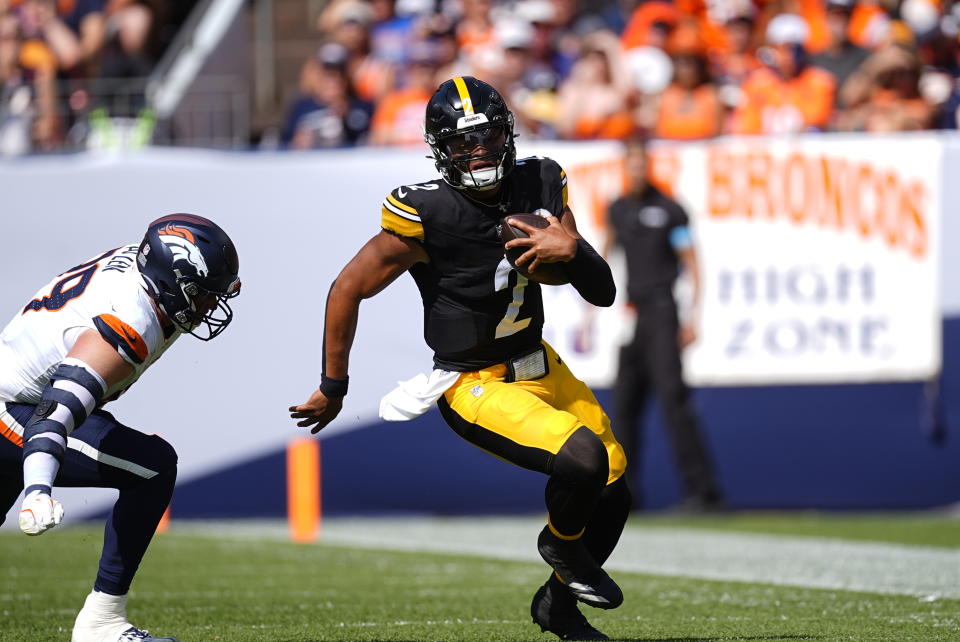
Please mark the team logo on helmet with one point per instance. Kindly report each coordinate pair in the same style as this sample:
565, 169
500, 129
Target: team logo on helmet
182, 244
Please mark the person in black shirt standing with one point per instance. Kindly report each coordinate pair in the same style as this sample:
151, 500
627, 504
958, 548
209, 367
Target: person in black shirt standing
653, 231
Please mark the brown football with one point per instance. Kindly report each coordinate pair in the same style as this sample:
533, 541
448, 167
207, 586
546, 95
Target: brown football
546, 273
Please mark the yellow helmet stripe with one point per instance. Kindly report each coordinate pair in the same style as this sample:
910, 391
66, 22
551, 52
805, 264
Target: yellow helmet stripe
464, 96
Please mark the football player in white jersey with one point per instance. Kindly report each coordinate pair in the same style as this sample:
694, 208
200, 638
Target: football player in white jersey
82, 341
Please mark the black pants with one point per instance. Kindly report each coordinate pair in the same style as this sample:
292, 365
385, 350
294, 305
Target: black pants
102, 453
650, 364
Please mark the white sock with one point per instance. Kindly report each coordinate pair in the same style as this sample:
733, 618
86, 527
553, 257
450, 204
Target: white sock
102, 619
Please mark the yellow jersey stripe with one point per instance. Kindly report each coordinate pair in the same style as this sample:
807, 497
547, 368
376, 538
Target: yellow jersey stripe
398, 204
401, 213
400, 226
464, 96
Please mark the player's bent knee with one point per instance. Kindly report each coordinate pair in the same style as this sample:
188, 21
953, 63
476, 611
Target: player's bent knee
583, 458
165, 456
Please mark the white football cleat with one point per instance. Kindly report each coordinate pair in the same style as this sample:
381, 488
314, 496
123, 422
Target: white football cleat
103, 618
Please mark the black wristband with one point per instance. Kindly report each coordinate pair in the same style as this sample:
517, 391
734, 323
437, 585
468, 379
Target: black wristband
41, 487
333, 387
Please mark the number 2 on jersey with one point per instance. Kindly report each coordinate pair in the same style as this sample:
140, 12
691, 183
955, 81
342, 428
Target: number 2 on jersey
509, 324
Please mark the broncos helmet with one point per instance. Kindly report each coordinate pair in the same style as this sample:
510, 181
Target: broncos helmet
465, 114
190, 268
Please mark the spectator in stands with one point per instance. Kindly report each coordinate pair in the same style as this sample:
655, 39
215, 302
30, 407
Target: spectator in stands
87, 21
732, 66
398, 118
513, 38
543, 57
39, 21
474, 30
348, 24
28, 100
570, 23
389, 32
690, 106
528, 86
127, 52
787, 95
884, 94
842, 57
15, 97
595, 99
327, 114
335, 12
439, 31
870, 22
710, 19
650, 25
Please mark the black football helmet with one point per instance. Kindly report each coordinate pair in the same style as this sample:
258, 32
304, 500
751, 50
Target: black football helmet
465, 114
190, 268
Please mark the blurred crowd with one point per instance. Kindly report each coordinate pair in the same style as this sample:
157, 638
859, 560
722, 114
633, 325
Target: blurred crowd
686, 69
61, 59
570, 69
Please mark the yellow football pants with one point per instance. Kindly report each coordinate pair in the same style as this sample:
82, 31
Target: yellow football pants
527, 422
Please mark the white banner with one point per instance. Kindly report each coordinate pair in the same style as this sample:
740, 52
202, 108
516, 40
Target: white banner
819, 260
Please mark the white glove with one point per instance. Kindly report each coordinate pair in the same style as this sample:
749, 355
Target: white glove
39, 513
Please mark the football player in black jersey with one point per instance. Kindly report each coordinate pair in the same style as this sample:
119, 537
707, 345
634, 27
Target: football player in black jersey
497, 383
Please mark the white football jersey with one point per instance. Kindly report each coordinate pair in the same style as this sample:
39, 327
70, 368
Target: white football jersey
105, 294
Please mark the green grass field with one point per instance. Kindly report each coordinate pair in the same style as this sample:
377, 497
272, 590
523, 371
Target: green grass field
216, 582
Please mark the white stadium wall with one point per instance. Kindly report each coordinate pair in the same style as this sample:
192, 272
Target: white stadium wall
822, 260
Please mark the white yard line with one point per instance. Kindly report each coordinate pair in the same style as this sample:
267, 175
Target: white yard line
815, 562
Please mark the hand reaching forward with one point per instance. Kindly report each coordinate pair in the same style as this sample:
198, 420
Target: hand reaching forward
319, 409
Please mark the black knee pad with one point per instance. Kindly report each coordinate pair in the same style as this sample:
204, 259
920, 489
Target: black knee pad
582, 459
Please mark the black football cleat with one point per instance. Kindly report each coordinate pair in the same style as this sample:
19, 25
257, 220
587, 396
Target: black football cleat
577, 569
561, 617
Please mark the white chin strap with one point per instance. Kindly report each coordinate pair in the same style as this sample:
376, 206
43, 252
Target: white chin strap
482, 178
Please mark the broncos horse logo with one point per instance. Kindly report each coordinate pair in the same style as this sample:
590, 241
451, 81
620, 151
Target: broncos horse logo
182, 244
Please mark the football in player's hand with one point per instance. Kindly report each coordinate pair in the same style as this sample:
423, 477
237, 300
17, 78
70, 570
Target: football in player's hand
546, 273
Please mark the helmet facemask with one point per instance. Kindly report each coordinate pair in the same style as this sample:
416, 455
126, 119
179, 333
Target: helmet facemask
477, 154
206, 308
455, 157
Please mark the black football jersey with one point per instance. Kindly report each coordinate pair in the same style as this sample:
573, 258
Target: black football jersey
643, 226
478, 310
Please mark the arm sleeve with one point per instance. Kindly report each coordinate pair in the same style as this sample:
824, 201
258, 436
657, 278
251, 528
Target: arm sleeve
72, 394
680, 238
591, 276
